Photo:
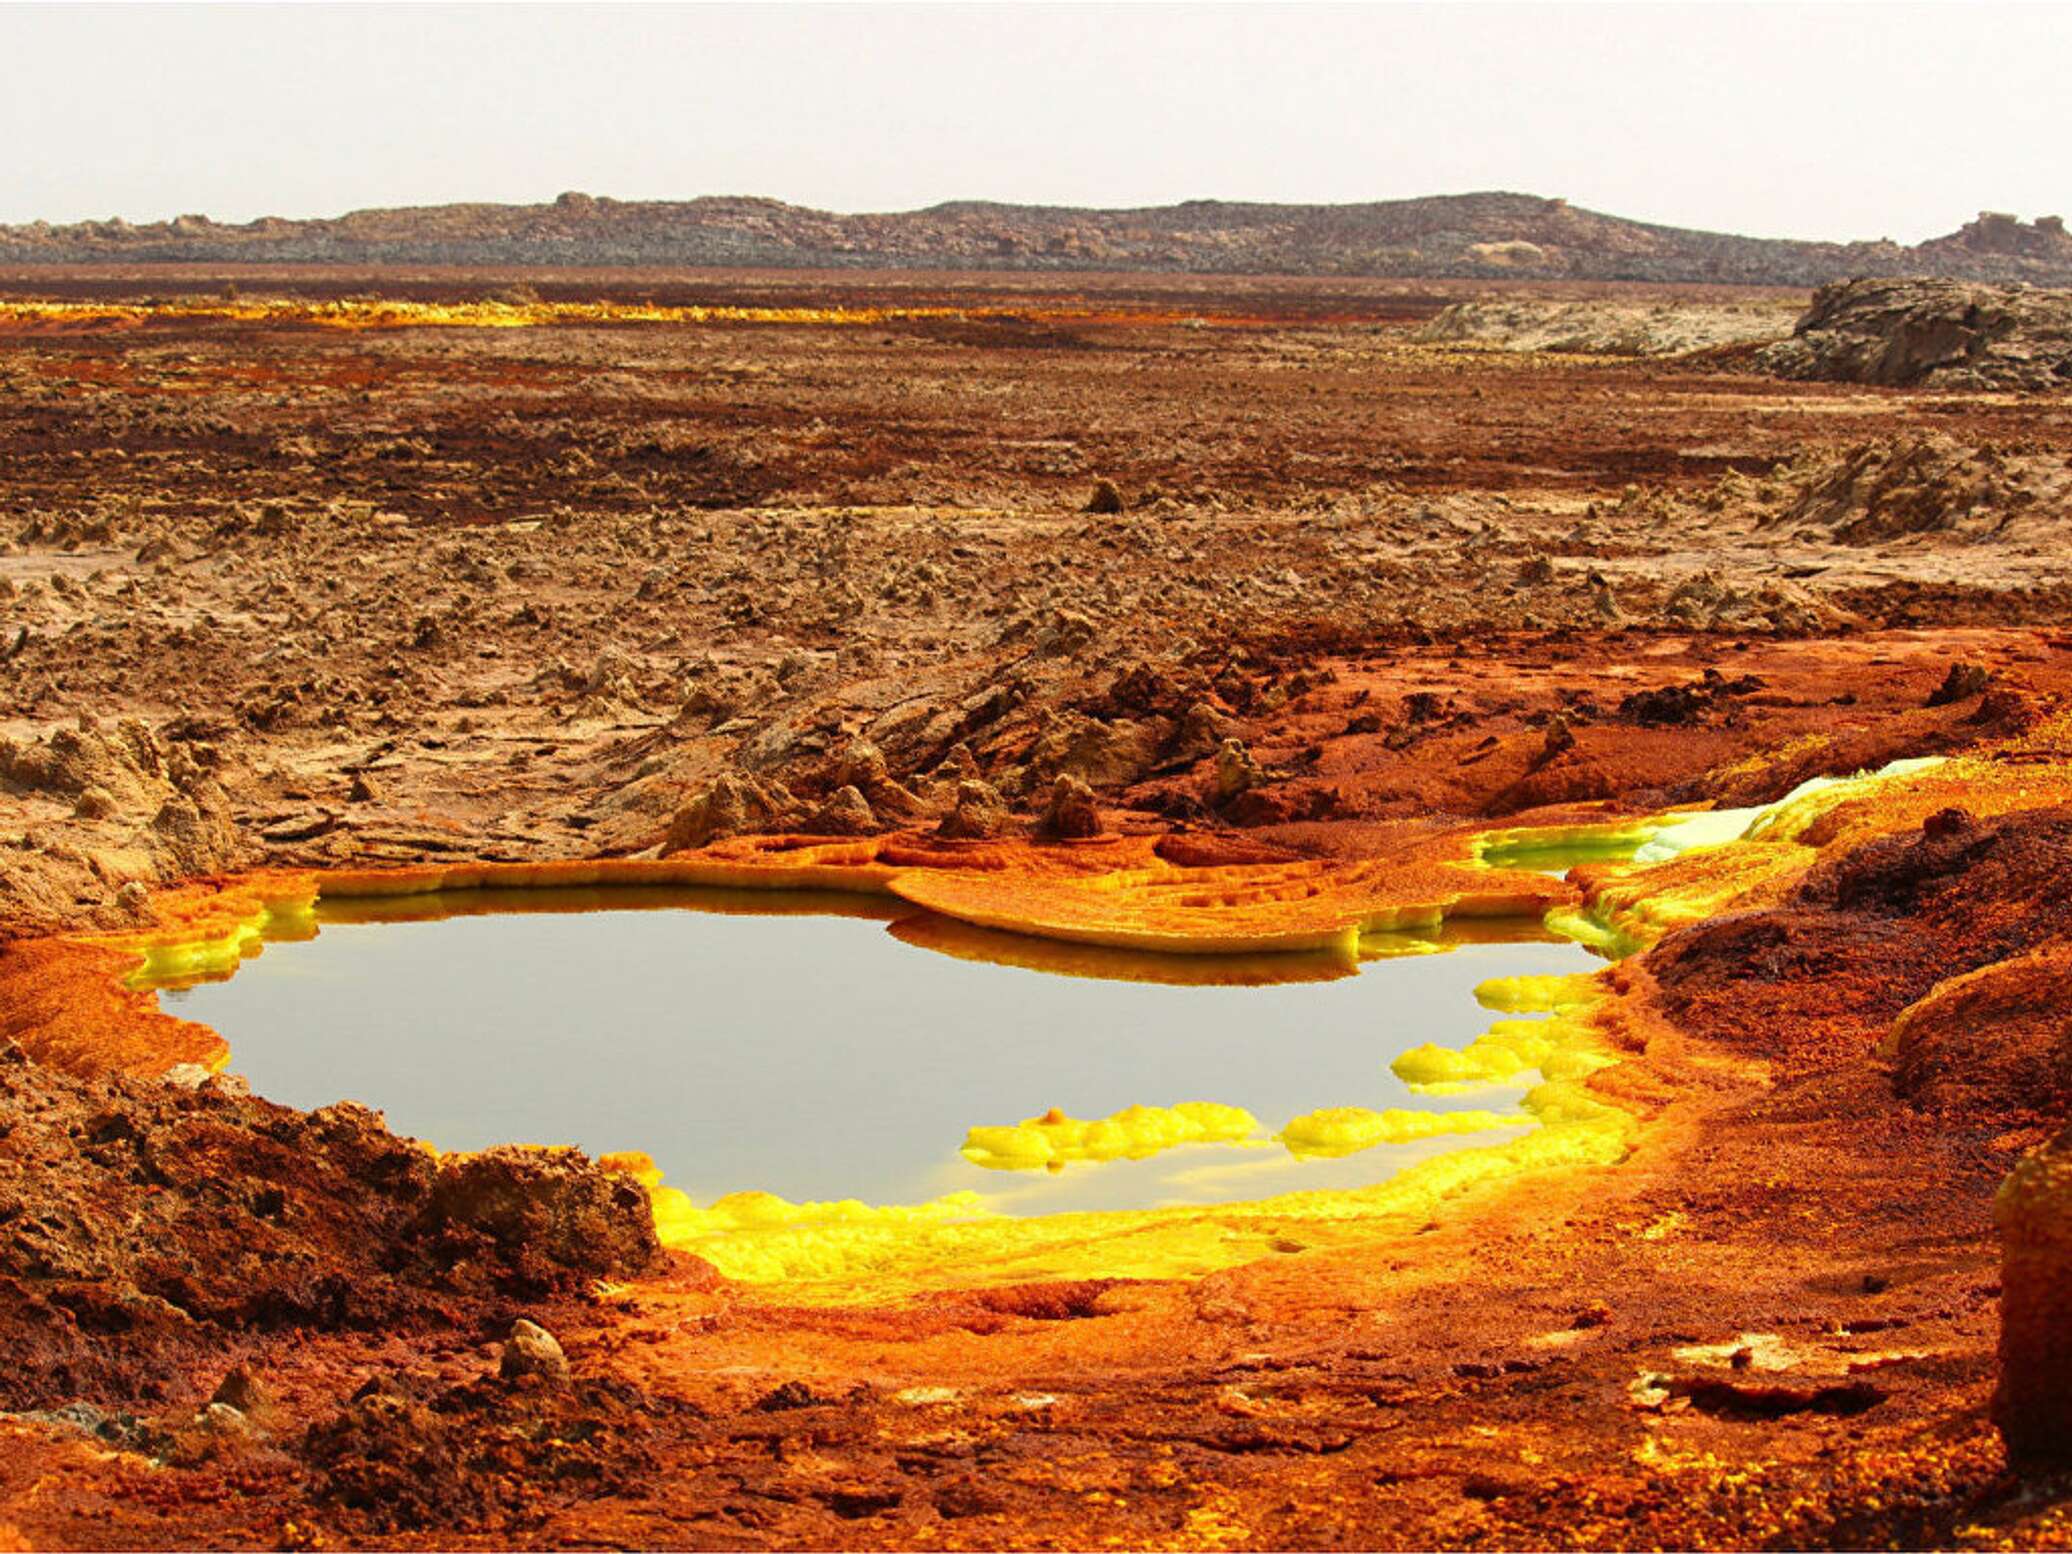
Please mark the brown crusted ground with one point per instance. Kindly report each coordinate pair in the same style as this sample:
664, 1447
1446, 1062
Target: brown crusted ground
304, 597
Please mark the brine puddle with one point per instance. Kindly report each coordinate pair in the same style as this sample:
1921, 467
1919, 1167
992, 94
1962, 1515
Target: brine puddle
820, 1051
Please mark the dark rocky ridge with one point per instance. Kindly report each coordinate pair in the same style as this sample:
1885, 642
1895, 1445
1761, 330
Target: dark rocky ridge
1468, 236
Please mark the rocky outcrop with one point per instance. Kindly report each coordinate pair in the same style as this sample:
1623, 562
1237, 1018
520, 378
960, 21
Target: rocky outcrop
125, 767
1946, 334
1071, 812
2002, 235
1108, 754
139, 805
1236, 772
861, 766
846, 813
546, 1208
1995, 1041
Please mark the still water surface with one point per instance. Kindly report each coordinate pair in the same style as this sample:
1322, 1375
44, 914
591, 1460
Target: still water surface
820, 1057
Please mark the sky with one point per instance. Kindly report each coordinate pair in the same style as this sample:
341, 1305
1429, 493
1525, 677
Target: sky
1845, 120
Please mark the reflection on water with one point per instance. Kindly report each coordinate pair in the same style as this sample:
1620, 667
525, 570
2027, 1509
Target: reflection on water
791, 1044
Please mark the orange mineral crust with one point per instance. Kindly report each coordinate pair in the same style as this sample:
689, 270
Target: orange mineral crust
65, 1003
1173, 895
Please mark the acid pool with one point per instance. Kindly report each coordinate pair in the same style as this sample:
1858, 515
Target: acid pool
821, 1052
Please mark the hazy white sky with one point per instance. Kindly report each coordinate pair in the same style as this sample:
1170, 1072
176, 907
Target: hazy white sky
1838, 120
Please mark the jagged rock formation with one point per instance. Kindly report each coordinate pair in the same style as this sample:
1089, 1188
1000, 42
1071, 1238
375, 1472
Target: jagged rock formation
1466, 235
147, 804
1941, 333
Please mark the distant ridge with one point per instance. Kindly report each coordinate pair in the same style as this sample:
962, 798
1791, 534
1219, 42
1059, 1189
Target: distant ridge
1446, 236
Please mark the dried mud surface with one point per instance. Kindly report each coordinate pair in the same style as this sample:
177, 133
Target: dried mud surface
1243, 567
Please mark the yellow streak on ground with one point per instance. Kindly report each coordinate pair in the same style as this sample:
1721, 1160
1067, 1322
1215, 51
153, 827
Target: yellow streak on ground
846, 1252
386, 313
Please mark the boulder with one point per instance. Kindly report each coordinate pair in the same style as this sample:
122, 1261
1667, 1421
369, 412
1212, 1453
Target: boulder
1236, 771
846, 813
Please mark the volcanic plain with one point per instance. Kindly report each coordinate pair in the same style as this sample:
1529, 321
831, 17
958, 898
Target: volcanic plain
1031, 581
